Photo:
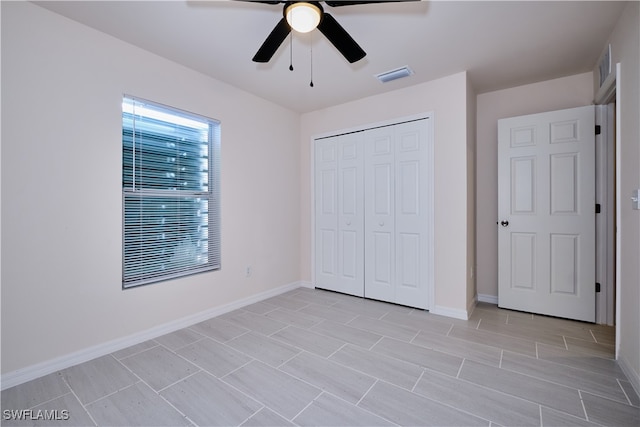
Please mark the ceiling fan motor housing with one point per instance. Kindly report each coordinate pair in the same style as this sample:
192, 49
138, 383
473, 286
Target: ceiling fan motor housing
309, 12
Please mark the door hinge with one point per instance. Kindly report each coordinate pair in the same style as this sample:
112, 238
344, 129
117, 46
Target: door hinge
597, 287
598, 208
598, 129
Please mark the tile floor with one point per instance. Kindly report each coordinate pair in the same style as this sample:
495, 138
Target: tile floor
312, 357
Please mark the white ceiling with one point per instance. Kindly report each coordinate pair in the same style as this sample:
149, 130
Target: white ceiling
501, 44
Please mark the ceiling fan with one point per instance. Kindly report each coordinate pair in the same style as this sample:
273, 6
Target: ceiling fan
305, 16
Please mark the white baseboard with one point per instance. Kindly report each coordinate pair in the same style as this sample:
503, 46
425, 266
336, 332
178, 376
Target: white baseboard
490, 299
450, 312
38, 370
303, 284
632, 375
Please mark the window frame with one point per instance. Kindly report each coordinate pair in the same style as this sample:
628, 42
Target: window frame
212, 195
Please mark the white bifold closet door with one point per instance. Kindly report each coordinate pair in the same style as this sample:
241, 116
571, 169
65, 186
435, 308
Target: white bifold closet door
374, 213
396, 231
339, 214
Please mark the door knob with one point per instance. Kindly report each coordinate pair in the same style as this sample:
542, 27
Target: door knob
348, 222
504, 223
381, 223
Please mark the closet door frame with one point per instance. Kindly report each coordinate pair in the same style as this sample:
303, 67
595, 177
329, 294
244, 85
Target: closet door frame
429, 258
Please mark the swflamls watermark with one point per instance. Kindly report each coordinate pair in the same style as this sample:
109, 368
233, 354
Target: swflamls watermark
35, 414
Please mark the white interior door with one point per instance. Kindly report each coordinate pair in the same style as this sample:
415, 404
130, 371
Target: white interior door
546, 208
339, 214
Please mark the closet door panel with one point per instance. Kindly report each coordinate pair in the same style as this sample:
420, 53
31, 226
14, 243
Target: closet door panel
382, 250
348, 229
382, 190
349, 268
326, 212
328, 254
350, 215
379, 216
410, 215
408, 260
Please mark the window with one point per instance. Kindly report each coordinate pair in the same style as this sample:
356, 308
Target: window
170, 191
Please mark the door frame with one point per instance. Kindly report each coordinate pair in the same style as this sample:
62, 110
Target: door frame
608, 179
431, 292
605, 221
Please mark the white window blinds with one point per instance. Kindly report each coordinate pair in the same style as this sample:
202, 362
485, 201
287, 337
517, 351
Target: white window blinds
170, 190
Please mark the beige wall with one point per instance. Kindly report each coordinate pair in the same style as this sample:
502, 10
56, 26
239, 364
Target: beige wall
62, 88
471, 196
566, 92
625, 49
447, 99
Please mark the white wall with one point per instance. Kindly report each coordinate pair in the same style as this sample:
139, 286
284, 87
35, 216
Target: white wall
566, 92
447, 99
62, 87
625, 49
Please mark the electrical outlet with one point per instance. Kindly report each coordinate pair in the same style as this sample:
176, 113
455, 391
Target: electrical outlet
248, 271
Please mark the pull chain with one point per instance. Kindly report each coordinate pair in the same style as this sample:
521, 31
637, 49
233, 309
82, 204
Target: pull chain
291, 51
311, 50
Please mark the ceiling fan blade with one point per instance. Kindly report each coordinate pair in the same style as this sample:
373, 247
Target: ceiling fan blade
272, 42
355, 2
262, 1
340, 39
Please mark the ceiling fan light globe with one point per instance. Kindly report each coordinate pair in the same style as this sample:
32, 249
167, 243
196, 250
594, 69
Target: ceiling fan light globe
303, 17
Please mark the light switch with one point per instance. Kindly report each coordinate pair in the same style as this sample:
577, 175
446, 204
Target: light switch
635, 200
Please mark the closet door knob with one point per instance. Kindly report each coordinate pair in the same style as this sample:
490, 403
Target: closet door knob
381, 223
348, 222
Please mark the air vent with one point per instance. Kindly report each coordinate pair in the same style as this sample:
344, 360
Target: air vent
398, 73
